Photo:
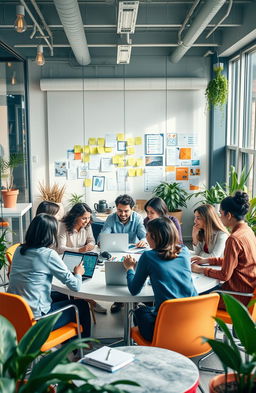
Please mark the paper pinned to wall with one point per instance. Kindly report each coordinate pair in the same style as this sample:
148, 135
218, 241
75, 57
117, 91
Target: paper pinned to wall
110, 140
121, 163
182, 173
171, 156
139, 171
72, 170
70, 154
94, 163
115, 159
108, 149
130, 150
111, 182
185, 153
77, 149
130, 141
171, 139
194, 184
138, 140
131, 172
120, 137
139, 162
82, 171
60, 168
77, 156
100, 150
86, 158
87, 182
153, 175
101, 141
106, 164
93, 150
121, 175
92, 141
86, 149
131, 161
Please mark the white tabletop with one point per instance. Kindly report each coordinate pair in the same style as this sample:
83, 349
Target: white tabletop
18, 211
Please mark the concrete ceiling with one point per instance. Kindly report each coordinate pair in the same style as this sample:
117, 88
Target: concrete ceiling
156, 32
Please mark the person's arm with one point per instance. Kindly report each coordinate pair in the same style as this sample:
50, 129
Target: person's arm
178, 227
218, 247
108, 225
90, 241
59, 270
136, 280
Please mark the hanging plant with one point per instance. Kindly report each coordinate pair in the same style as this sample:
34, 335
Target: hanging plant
217, 89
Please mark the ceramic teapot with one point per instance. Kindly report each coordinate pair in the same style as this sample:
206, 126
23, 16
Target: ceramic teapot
101, 207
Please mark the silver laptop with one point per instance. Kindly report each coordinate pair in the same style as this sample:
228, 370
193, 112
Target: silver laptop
115, 273
114, 242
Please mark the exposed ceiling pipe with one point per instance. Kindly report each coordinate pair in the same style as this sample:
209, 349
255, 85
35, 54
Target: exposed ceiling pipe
222, 19
42, 19
71, 19
208, 11
189, 14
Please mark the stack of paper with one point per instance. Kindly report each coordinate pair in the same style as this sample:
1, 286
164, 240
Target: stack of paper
109, 359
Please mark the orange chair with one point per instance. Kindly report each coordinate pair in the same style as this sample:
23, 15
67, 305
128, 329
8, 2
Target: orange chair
18, 312
181, 323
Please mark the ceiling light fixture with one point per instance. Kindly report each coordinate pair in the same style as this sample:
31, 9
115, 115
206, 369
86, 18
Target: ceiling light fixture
123, 54
40, 60
20, 23
127, 16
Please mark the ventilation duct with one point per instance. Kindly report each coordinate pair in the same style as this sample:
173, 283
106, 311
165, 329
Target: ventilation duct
208, 11
71, 19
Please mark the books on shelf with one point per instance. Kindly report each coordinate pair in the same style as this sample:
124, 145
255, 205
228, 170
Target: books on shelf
109, 359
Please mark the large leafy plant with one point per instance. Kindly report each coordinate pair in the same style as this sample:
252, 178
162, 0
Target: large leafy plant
3, 247
7, 167
236, 182
228, 351
212, 195
54, 368
173, 194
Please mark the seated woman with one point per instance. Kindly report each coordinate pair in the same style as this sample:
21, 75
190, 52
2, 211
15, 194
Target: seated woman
75, 234
75, 231
33, 267
167, 265
238, 266
156, 208
209, 235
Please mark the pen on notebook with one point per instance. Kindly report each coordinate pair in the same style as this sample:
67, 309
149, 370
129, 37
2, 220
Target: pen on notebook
108, 354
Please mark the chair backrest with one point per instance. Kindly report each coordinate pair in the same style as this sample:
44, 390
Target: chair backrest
181, 323
10, 252
140, 203
17, 311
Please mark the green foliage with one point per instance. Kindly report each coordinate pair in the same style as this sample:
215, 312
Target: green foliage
7, 167
250, 217
3, 247
217, 89
211, 196
173, 194
75, 198
228, 351
237, 183
54, 368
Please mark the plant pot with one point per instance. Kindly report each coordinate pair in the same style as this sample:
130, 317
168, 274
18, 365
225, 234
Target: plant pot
10, 198
177, 214
216, 382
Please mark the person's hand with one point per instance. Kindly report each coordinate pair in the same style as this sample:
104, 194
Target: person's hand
87, 247
79, 269
129, 262
197, 269
195, 231
141, 244
199, 260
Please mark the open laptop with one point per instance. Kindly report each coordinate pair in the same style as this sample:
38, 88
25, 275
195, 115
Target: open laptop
72, 259
114, 242
115, 273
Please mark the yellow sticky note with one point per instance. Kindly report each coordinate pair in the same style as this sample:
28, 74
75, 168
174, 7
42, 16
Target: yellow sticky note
77, 149
100, 149
92, 141
139, 162
115, 159
139, 172
120, 164
86, 149
131, 172
130, 150
87, 182
101, 141
130, 141
138, 140
86, 158
120, 137
131, 161
108, 149
93, 150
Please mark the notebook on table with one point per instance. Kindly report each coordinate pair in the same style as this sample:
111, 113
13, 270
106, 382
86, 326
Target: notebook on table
72, 259
114, 242
109, 359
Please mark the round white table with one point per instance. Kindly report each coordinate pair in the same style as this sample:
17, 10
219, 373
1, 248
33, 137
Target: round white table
157, 370
96, 289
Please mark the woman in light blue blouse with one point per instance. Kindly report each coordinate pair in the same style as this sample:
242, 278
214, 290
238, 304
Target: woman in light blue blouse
168, 267
33, 267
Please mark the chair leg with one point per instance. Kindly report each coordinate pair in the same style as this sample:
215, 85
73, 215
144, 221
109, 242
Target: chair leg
200, 388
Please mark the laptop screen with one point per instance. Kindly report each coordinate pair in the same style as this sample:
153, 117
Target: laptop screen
72, 259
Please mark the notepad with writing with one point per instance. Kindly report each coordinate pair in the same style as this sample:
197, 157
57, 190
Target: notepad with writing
109, 359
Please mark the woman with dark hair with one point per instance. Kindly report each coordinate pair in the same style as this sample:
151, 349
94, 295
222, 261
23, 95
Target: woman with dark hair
168, 267
75, 231
238, 266
155, 208
209, 235
33, 267
48, 207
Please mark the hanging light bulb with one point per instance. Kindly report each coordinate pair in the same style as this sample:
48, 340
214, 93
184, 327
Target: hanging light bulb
13, 80
40, 60
20, 23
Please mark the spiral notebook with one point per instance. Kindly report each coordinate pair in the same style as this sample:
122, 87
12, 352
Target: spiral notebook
109, 359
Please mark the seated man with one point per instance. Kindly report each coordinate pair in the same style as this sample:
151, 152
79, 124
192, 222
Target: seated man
125, 220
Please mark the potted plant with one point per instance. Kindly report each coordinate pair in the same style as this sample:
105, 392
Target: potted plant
74, 199
174, 196
53, 193
211, 196
237, 183
54, 368
10, 194
243, 379
217, 89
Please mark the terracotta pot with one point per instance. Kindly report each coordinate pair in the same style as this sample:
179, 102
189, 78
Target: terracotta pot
10, 198
178, 214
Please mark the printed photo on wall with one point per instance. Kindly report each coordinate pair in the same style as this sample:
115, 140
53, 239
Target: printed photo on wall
82, 171
98, 183
154, 160
60, 168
